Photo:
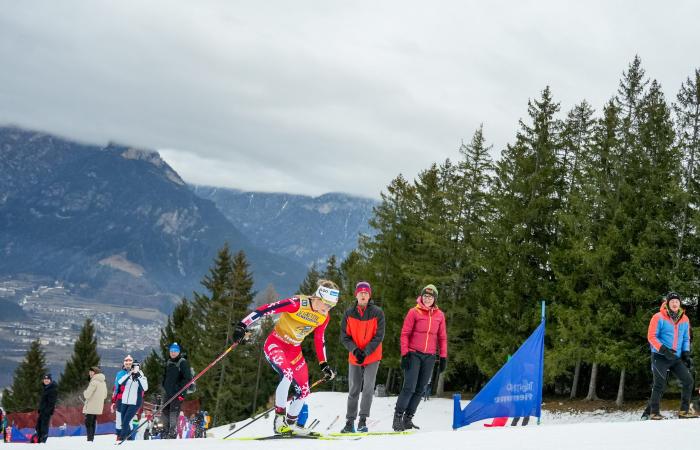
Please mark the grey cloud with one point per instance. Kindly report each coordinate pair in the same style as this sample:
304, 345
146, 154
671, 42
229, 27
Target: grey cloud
319, 96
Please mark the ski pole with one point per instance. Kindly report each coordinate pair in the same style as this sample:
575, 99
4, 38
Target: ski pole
265, 413
332, 423
191, 382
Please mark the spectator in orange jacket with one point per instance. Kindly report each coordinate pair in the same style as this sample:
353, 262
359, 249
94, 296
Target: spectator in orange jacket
362, 333
423, 330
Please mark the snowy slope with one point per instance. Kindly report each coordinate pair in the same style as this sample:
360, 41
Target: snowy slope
558, 431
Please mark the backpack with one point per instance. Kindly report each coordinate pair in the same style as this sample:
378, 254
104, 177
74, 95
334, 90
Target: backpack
192, 388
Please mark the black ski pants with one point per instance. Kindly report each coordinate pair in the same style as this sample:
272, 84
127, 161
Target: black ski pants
90, 424
659, 366
415, 379
170, 414
42, 426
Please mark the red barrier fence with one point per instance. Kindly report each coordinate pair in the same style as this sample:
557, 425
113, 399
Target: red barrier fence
73, 415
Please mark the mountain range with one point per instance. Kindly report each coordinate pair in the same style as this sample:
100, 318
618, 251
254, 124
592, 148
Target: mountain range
116, 221
121, 226
305, 229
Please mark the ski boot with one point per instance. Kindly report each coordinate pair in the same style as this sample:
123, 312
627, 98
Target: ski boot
297, 429
362, 425
398, 422
280, 424
408, 422
349, 426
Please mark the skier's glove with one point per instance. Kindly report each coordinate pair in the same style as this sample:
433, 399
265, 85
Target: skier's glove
359, 355
239, 331
668, 353
405, 361
443, 365
135, 376
685, 356
328, 373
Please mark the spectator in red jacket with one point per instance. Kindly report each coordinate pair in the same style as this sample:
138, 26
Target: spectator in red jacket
362, 333
423, 329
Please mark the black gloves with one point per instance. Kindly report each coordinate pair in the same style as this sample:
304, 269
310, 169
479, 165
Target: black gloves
135, 375
668, 353
404, 361
685, 356
328, 373
359, 355
239, 331
443, 365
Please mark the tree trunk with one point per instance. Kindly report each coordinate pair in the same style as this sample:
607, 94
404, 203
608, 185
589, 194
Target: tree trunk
440, 385
592, 385
389, 379
577, 375
621, 389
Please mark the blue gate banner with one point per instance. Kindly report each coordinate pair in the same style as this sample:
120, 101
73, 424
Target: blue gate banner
515, 390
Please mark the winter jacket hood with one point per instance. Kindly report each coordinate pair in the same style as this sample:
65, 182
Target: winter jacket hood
420, 304
95, 395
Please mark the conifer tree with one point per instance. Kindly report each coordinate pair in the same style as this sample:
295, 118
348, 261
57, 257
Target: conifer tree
309, 285
687, 113
27, 386
229, 285
75, 375
527, 195
179, 328
154, 368
468, 210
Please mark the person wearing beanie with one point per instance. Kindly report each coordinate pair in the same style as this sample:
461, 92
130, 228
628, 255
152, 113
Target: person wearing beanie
299, 316
176, 375
669, 340
424, 330
94, 402
135, 384
117, 392
361, 333
47, 405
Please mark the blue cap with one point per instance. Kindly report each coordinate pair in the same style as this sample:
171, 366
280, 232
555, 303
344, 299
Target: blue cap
174, 347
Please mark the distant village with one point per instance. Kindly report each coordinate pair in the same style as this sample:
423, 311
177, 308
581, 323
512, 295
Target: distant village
55, 316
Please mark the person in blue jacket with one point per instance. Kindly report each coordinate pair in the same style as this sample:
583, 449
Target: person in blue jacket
669, 338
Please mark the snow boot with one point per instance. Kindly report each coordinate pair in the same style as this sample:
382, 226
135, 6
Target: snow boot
362, 425
656, 416
349, 427
280, 424
408, 422
687, 415
398, 422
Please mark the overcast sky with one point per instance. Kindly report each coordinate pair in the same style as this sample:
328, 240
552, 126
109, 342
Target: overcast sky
320, 96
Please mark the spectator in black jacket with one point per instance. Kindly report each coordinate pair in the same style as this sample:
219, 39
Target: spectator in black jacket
47, 404
177, 375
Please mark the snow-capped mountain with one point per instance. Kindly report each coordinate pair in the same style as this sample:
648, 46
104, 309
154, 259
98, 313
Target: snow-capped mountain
306, 229
117, 221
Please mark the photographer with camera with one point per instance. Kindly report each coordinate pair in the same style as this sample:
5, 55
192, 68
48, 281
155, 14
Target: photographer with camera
133, 386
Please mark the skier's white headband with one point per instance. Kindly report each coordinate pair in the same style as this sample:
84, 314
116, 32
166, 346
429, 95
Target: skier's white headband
327, 295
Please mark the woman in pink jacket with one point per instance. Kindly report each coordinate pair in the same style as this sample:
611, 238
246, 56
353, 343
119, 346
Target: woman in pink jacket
423, 329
